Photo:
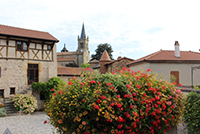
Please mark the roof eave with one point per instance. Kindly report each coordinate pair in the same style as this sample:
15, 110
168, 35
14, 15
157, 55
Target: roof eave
31, 38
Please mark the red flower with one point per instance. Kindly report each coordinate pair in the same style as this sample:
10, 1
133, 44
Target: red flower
164, 107
83, 100
128, 86
112, 87
120, 119
112, 104
45, 121
96, 107
92, 82
134, 125
124, 68
120, 126
113, 73
138, 77
52, 89
54, 94
138, 86
126, 95
135, 99
103, 97
159, 103
179, 84
109, 84
131, 106
98, 101
164, 130
134, 94
164, 113
60, 92
153, 114
86, 133
128, 116
144, 94
157, 98
148, 70
118, 96
74, 78
119, 105
70, 83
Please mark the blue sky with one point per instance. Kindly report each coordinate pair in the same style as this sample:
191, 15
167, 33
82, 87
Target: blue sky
133, 28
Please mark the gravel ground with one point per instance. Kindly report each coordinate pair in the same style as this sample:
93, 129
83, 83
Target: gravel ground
26, 124
34, 124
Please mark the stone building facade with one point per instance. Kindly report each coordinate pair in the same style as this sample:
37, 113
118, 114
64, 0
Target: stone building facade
26, 56
75, 58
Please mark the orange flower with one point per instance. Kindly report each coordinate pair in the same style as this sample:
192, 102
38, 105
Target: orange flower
84, 123
60, 121
61, 113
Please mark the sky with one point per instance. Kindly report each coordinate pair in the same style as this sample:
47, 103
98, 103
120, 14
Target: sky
134, 28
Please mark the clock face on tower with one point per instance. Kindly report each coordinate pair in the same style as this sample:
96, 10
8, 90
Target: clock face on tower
81, 50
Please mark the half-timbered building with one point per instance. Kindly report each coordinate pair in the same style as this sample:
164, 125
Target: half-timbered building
26, 56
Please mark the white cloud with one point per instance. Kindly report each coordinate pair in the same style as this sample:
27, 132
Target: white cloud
133, 28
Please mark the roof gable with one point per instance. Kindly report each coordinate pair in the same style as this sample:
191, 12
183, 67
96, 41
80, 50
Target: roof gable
105, 56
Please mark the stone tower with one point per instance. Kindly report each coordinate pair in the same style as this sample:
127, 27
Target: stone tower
83, 50
104, 59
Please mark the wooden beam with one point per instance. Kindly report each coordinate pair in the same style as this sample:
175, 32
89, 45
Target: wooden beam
42, 50
7, 43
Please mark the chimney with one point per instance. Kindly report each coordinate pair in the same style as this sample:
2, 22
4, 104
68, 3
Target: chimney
119, 57
177, 50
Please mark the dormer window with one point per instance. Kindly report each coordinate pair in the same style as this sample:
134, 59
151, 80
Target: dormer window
22, 46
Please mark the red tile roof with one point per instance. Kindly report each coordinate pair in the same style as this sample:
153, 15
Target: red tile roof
66, 53
66, 59
27, 33
94, 61
105, 56
70, 71
169, 56
119, 60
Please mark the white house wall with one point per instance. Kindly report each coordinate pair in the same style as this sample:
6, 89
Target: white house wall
165, 69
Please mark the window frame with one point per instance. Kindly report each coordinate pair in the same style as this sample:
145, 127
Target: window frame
34, 69
11, 91
21, 46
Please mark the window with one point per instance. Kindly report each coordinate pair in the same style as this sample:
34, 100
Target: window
32, 73
12, 90
22, 46
49, 47
81, 45
1, 93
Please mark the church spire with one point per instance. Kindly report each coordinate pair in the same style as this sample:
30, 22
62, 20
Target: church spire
83, 35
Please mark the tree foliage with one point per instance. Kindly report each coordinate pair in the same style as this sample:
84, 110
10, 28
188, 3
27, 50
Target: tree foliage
100, 49
46, 87
85, 65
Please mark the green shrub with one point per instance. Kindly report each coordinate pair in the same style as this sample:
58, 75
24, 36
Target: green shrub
192, 112
25, 102
126, 102
2, 112
46, 87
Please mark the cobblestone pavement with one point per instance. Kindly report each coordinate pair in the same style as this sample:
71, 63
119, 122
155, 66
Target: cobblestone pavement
26, 124
34, 124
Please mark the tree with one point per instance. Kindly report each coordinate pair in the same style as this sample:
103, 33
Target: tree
85, 65
100, 49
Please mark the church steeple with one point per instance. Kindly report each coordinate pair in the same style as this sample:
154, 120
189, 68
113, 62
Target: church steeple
83, 35
64, 49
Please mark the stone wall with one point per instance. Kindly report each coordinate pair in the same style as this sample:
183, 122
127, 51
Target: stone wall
14, 74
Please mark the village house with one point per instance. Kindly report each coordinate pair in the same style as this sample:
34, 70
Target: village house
183, 65
105, 64
75, 58
66, 73
26, 56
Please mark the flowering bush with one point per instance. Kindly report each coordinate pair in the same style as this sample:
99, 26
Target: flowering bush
26, 102
125, 102
192, 112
